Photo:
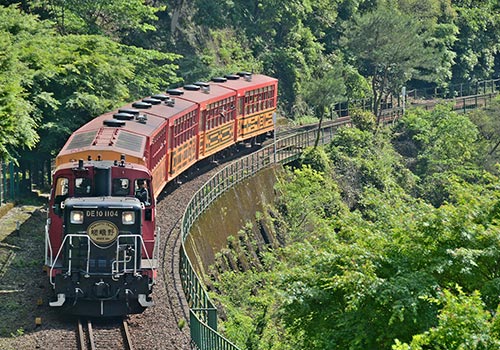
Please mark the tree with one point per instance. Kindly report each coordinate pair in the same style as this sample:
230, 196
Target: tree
53, 84
83, 80
17, 121
463, 324
488, 125
324, 90
440, 146
390, 48
478, 41
115, 18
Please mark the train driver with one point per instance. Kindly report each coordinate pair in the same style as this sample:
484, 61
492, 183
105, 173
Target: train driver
82, 186
142, 192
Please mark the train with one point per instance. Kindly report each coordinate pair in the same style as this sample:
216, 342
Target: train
101, 237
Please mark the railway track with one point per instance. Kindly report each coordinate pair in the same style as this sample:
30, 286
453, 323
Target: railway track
104, 335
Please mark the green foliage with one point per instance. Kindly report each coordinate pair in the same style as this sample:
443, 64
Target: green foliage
363, 120
83, 81
367, 280
316, 158
17, 124
478, 40
53, 84
390, 47
378, 275
325, 89
116, 18
440, 145
251, 310
364, 159
488, 125
463, 324
308, 197
225, 51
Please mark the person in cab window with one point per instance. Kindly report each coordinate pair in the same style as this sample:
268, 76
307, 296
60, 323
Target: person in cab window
120, 187
142, 192
82, 186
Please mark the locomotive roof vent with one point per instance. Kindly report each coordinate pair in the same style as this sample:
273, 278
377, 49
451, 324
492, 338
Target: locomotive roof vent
113, 122
170, 102
202, 84
153, 101
243, 74
219, 79
191, 87
123, 116
161, 97
175, 92
141, 105
141, 118
232, 76
128, 110
205, 87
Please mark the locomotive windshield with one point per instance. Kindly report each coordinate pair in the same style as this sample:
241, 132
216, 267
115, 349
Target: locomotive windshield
83, 186
121, 187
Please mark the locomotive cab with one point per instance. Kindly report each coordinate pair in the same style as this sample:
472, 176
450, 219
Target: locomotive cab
101, 245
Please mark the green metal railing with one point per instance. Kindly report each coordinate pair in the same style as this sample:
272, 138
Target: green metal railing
203, 313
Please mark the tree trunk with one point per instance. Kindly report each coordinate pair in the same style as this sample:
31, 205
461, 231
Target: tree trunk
316, 142
2, 198
494, 148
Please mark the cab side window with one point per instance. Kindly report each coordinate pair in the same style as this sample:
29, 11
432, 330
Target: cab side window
142, 191
60, 194
61, 188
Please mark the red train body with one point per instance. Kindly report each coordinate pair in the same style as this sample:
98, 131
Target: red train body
101, 236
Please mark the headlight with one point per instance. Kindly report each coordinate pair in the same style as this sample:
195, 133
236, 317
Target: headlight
76, 217
128, 217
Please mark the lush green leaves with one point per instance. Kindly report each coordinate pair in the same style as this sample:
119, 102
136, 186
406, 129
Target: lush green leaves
463, 324
390, 48
478, 40
382, 273
52, 84
440, 146
116, 18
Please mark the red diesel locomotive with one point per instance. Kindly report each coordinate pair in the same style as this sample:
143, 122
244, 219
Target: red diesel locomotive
101, 238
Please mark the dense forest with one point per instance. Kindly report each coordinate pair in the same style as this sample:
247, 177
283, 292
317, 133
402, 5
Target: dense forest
391, 236
66, 61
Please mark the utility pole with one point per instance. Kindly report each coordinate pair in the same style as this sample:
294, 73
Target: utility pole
274, 134
403, 96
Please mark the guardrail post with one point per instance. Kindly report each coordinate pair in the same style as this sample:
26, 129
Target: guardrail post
212, 318
194, 327
12, 180
2, 172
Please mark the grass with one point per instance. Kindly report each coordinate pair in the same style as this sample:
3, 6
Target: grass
22, 282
